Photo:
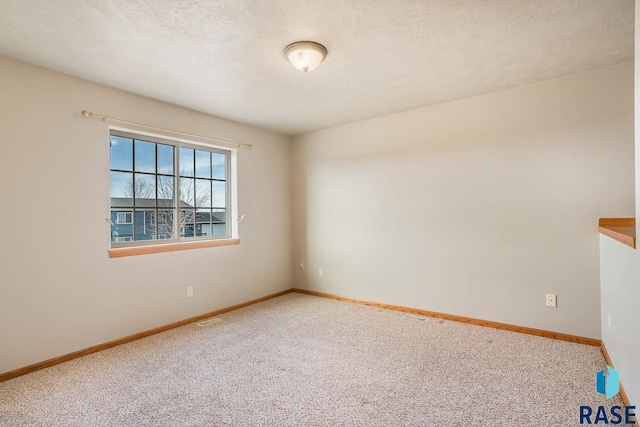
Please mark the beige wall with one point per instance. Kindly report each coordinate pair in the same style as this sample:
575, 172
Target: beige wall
477, 207
60, 292
620, 278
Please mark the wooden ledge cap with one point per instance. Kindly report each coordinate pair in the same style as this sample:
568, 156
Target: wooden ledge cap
620, 229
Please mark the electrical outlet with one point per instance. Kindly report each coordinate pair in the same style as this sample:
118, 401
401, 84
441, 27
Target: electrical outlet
189, 291
552, 300
321, 272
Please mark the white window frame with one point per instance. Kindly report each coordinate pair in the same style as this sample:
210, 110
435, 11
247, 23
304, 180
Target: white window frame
177, 143
124, 214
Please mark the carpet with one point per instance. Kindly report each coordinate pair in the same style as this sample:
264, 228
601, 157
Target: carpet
300, 360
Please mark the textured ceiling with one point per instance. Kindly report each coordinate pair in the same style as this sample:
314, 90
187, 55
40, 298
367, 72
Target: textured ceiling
225, 57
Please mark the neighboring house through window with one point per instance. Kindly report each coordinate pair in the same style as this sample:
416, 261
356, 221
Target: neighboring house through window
167, 190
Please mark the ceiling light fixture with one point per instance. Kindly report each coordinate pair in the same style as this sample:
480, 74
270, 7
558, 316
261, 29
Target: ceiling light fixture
305, 56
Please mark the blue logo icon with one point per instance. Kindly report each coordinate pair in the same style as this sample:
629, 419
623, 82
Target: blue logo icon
608, 385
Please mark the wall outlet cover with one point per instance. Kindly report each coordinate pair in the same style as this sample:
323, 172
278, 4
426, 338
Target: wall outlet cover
552, 300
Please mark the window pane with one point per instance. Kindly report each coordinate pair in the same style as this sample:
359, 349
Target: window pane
145, 224
186, 162
187, 222
122, 227
121, 189
165, 191
164, 220
203, 193
219, 194
219, 223
165, 159
219, 166
145, 160
203, 164
145, 190
203, 223
187, 193
121, 153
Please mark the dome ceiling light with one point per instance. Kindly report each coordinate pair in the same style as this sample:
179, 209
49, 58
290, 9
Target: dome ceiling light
304, 55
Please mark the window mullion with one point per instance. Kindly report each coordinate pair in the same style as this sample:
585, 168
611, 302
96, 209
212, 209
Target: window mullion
227, 197
133, 190
176, 192
155, 211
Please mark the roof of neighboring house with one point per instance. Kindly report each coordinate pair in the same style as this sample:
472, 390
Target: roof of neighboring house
206, 217
126, 202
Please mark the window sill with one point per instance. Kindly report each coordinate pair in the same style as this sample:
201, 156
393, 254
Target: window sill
171, 247
620, 229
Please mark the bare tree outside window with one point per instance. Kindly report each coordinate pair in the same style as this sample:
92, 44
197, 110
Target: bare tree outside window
144, 194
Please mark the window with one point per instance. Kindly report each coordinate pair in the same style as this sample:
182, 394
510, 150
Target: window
124, 218
167, 190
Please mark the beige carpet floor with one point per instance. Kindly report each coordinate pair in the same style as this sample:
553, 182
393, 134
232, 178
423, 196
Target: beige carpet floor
299, 360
